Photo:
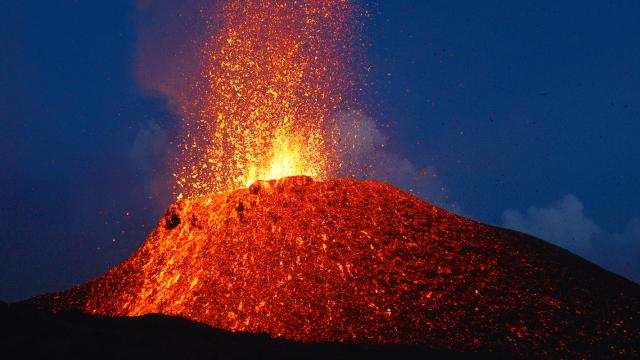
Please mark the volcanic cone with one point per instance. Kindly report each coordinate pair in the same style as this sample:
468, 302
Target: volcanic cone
361, 261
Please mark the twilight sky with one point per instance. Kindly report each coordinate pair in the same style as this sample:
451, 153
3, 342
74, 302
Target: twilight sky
529, 113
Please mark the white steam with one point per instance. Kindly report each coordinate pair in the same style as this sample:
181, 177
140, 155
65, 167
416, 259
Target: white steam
364, 151
565, 224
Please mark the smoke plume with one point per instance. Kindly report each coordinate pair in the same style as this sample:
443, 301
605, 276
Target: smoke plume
364, 152
565, 224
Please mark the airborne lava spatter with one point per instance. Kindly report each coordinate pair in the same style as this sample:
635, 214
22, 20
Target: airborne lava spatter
273, 74
347, 260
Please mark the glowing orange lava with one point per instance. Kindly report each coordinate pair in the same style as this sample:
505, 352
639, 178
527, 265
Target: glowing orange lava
273, 74
360, 261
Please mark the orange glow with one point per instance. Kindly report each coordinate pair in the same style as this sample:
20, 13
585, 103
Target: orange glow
285, 159
360, 261
273, 74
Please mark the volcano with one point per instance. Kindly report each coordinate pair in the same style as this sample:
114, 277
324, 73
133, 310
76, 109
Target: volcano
361, 261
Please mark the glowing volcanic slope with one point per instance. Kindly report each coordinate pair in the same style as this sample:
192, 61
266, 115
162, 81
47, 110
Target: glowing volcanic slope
346, 260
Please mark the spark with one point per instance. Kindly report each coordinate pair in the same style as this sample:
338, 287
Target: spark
273, 74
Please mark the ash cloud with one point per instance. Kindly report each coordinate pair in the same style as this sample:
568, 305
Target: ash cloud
364, 152
170, 36
169, 39
150, 154
565, 224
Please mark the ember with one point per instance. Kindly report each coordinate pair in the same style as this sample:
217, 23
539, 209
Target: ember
273, 74
347, 260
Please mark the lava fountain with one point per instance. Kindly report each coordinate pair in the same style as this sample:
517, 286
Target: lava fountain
273, 74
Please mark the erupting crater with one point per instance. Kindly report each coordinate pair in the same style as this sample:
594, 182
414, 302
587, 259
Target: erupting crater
361, 261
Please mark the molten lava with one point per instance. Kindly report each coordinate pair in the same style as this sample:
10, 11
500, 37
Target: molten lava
347, 260
273, 74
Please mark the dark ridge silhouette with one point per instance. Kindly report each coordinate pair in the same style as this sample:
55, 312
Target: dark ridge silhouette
31, 333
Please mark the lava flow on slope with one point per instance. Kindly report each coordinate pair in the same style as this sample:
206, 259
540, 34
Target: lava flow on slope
361, 261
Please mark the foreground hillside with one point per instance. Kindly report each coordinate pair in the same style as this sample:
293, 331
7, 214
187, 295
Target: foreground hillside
33, 334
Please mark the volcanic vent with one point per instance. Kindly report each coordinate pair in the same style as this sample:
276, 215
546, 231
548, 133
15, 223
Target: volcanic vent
347, 260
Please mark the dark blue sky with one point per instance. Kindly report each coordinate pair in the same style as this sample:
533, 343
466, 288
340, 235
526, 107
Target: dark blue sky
516, 104
561, 80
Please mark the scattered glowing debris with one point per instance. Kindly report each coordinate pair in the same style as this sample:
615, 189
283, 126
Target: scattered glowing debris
273, 74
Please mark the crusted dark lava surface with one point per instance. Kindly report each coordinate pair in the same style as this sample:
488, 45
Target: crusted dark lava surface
361, 261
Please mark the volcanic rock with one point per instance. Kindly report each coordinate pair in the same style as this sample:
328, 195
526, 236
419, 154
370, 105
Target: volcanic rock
361, 261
